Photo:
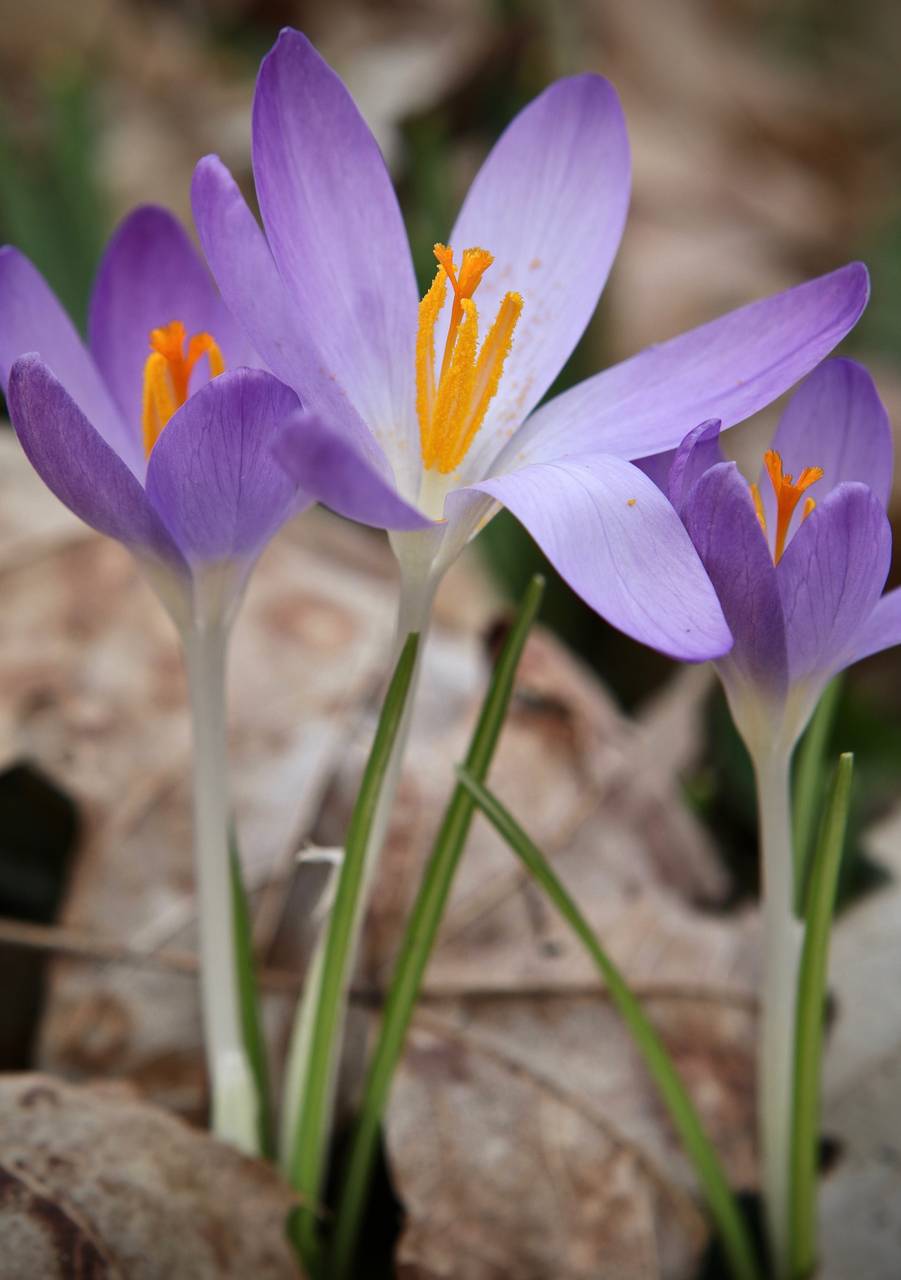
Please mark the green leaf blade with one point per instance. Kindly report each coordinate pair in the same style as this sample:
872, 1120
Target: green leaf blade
722, 1204
249, 997
311, 1140
820, 906
419, 938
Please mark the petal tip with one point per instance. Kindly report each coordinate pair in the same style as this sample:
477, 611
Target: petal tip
858, 274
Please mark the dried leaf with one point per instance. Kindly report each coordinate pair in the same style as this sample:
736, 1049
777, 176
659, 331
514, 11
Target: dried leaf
95, 1185
860, 1201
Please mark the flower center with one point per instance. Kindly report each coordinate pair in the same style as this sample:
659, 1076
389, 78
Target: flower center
167, 375
788, 493
452, 407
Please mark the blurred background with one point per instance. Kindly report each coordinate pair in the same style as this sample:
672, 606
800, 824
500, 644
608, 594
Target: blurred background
766, 138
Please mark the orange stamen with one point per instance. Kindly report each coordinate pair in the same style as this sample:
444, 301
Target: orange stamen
451, 410
167, 375
788, 493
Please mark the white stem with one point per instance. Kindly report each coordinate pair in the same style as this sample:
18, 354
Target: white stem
235, 1104
782, 938
414, 609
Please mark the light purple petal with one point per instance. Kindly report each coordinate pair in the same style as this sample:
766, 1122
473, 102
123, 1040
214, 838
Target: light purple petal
245, 272
727, 369
77, 464
720, 517
698, 452
550, 204
882, 630
150, 275
619, 544
831, 577
32, 320
212, 476
835, 420
324, 463
336, 233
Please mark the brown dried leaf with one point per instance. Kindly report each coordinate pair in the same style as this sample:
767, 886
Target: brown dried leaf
95, 1185
860, 1205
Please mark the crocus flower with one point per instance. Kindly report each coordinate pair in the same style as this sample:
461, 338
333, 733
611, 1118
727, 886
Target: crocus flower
431, 406
799, 559
156, 433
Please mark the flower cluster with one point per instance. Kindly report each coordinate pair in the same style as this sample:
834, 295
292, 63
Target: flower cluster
214, 400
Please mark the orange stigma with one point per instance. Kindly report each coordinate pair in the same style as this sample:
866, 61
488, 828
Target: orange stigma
167, 375
788, 493
452, 408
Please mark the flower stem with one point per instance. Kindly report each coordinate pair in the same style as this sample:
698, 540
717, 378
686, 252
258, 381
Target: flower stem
782, 937
235, 1104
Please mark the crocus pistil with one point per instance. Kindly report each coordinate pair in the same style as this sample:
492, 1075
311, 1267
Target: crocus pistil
788, 493
451, 408
167, 375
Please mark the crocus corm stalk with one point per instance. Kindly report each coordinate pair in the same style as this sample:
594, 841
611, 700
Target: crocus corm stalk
799, 560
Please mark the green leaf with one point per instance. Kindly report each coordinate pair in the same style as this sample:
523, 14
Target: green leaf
721, 1202
249, 996
311, 1140
810, 783
821, 893
50, 202
418, 940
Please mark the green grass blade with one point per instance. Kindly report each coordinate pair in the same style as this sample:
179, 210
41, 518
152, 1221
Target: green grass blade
310, 1147
721, 1202
810, 784
249, 996
809, 1027
418, 940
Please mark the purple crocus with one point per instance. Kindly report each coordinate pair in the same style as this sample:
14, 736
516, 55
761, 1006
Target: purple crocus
157, 432
799, 558
430, 407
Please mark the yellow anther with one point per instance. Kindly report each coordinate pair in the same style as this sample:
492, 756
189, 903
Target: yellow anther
758, 506
788, 493
452, 409
167, 375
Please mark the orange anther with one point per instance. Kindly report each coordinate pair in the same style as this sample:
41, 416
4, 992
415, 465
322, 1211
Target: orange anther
788, 493
452, 407
167, 375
